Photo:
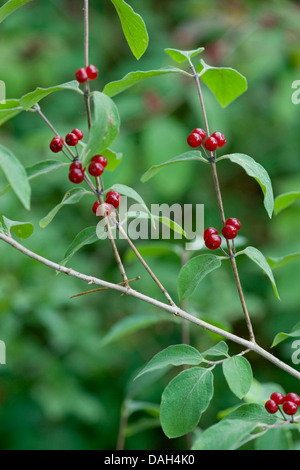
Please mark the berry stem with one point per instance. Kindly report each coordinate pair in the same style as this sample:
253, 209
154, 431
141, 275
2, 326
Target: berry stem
221, 208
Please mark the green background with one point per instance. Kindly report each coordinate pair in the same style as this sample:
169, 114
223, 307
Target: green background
61, 387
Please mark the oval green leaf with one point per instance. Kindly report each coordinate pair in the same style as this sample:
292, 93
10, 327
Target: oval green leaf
238, 374
9, 7
285, 200
87, 236
181, 56
9, 109
294, 333
34, 97
20, 229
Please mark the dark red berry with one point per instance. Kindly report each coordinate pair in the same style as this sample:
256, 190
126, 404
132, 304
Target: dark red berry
279, 398
213, 242
81, 75
95, 169
220, 138
78, 133
71, 139
102, 209
200, 131
76, 176
76, 164
271, 407
211, 144
194, 140
100, 159
293, 397
210, 231
92, 72
113, 198
229, 232
234, 223
56, 144
290, 408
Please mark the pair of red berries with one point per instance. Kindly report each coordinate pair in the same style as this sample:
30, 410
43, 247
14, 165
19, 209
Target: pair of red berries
72, 139
84, 74
211, 235
96, 168
290, 403
112, 201
198, 137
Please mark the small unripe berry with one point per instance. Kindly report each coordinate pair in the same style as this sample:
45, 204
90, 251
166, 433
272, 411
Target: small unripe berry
95, 169
78, 133
194, 140
92, 72
279, 398
210, 231
76, 176
213, 242
210, 144
56, 144
71, 139
290, 408
271, 407
293, 397
219, 138
234, 223
100, 159
229, 232
113, 198
81, 75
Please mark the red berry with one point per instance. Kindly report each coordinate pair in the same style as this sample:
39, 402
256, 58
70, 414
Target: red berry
220, 138
213, 242
211, 144
101, 209
271, 407
234, 223
279, 398
95, 169
76, 176
293, 397
113, 198
92, 72
56, 144
100, 159
194, 140
200, 131
229, 232
81, 75
210, 231
71, 139
76, 164
78, 133
290, 408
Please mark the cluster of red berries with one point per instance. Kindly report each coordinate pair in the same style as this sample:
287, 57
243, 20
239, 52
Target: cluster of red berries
211, 235
290, 403
198, 137
112, 201
72, 139
86, 73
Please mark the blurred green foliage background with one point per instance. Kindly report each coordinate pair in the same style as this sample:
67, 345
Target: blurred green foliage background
62, 387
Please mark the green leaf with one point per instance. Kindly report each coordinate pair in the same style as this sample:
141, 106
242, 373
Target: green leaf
238, 374
11, 6
134, 28
16, 175
132, 324
252, 412
184, 399
118, 86
9, 109
226, 83
105, 126
285, 200
194, 155
275, 439
219, 349
21, 229
294, 333
113, 159
87, 236
275, 263
175, 355
130, 193
71, 197
225, 435
182, 56
192, 273
257, 257
258, 172
34, 97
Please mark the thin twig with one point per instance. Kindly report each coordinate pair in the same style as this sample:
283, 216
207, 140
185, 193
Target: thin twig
104, 288
86, 61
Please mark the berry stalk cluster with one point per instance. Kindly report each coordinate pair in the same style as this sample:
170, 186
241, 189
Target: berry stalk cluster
289, 404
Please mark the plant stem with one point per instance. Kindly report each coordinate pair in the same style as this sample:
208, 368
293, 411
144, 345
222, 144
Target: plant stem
86, 62
174, 310
222, 212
